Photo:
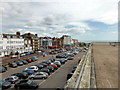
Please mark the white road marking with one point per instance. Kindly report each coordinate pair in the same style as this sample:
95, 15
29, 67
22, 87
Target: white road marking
109, 83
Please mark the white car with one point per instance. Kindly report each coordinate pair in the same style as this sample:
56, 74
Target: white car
22, 54
13, 56
34, 68
12, 79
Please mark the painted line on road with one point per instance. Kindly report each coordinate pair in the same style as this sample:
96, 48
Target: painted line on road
109, 83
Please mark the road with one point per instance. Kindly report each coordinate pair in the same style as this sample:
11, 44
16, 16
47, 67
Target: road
106, 65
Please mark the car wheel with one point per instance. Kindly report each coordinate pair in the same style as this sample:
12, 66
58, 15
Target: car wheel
32, 78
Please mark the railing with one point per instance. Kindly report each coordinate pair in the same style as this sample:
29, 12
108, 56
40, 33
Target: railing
84, 76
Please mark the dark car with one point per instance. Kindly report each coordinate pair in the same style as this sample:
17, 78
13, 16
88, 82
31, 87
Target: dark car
70, 58
51, 59
62, 61
5, 84
39, 66
69, 75
44, 64
26, 84
45, 70
34, 58
3, 69
21, 75
24, 62
19, 63
50, 68
13, 65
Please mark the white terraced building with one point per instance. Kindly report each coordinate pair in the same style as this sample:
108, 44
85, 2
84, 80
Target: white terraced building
11, 43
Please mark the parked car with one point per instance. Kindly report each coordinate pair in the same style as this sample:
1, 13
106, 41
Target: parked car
45, 70
39, 75
55, 66
22, 54
14, 56
62, 61
3, 69
5, 84
51, 59
13, 65
39, 66
34, 68
70, 58
19, 63
50, 68
69, 76
57, 63
21, 75
29, 71
29, 60
24, 62
26, 84
12, 79
27, 53
34, 58
44, 64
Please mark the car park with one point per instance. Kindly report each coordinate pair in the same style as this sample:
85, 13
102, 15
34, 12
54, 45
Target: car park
13, 65
39, 75
21, 75
12, 79
19, 63
26, 84
5, 84
34, 68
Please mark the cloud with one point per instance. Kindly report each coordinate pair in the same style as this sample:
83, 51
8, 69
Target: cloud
56, 18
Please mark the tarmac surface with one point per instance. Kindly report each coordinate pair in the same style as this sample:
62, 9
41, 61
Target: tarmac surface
106, 65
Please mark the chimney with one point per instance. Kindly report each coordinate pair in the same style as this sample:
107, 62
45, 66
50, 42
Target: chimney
36, 35
18, 33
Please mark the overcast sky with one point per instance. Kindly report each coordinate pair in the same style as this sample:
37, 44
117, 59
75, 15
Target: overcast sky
85, 20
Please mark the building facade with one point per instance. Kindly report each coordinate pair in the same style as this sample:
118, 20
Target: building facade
11, 43
31, 42
45, 42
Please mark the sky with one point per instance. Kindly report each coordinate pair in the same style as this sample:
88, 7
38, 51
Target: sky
85, 20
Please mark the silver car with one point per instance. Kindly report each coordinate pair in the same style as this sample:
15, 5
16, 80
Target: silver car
39, 75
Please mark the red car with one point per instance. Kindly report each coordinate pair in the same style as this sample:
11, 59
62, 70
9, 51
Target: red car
55, 66
29, 60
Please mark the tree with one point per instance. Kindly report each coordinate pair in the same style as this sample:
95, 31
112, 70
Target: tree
11, 53
17, 53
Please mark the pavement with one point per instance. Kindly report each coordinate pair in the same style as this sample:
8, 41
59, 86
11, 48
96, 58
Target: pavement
106, 65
